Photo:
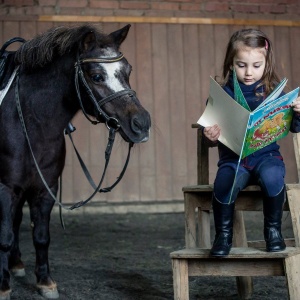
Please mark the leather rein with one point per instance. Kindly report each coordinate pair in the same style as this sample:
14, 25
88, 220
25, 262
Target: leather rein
112, 124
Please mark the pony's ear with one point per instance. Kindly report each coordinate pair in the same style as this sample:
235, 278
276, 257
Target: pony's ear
120, 35
89, 41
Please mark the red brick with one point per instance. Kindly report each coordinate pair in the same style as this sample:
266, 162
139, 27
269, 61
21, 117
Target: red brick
190, 6
293, 9
164, 6
104, 4
215, 6
179, 1
72, 3
276, 9
134, 5
18, 2
47, 2
245, 8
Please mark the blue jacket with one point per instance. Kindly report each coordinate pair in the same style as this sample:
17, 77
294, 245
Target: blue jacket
227, 155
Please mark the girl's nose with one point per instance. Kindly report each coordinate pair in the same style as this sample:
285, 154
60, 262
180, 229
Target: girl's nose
248, 71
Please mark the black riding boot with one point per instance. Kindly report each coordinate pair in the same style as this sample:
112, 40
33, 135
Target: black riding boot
272, 222
223, 217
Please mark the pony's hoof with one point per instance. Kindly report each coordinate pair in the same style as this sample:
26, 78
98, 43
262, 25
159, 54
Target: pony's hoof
48, 292
5, 295
18, 272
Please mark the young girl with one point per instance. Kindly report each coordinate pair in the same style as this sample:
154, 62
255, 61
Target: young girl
250, 54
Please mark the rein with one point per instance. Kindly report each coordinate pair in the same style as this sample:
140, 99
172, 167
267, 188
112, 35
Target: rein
112, 124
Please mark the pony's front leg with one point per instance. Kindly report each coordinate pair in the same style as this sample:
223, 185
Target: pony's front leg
6, 240
40, 210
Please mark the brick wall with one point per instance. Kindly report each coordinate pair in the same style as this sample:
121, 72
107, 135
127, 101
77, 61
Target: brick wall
263, 9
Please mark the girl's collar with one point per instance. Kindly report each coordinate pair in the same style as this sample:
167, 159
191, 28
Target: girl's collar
244, 87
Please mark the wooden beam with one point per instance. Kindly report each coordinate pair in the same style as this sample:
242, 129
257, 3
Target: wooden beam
168, 20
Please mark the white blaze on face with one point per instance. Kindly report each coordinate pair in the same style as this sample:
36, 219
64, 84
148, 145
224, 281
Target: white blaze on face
112, 69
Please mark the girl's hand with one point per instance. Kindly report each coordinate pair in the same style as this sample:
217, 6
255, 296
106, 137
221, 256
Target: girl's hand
296, 105
213, 132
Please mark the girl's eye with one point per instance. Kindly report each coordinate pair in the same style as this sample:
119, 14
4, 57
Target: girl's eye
241, 65
97, 78
256, 66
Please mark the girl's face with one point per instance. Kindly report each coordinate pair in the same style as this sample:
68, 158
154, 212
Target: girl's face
249, 64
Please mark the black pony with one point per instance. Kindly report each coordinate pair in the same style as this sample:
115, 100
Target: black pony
57, 74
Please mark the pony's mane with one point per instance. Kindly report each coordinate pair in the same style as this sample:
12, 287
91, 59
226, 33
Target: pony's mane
53, 43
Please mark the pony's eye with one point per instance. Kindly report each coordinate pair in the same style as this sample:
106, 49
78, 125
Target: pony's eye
97, 78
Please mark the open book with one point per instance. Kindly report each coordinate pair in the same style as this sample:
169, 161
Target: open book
245, 131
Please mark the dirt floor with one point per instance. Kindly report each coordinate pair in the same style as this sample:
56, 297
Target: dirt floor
126, 257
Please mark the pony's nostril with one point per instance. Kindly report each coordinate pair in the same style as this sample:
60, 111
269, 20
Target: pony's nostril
136, 125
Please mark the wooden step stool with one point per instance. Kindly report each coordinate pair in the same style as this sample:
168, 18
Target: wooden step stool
195, 261
240, 262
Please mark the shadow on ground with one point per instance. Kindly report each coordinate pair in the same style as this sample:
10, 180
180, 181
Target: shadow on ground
126, 257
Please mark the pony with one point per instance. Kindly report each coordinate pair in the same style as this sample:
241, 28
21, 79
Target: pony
56, 74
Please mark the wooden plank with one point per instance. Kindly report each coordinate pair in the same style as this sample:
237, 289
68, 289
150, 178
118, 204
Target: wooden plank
204, 228
207, 51
190, 222
1, 33
239, 232
166, 20
144, 69
246, 267
207, 68
294, 56
294, 203
296, 142
28, 30
192, 90
235, 253
247, 200
177, 114
43, 26
162, 136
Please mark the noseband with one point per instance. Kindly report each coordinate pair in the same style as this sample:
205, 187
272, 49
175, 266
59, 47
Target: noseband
110, 121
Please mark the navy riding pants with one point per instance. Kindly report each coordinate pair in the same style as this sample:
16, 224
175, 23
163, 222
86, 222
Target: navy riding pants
268, 172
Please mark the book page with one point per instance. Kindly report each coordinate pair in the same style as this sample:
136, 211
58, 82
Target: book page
232, 118
275, 94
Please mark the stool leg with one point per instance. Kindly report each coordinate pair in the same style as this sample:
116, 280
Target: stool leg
190, 221
292, 266
180, 279
244, 283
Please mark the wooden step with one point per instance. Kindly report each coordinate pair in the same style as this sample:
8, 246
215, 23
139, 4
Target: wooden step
240, 262
236, 252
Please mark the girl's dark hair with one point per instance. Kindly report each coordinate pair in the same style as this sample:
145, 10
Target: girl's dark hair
252, 38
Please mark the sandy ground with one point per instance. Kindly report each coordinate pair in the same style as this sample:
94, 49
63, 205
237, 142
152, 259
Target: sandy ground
126, 257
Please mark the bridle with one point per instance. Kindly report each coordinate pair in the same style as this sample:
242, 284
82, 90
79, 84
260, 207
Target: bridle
110, 121
112, 124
